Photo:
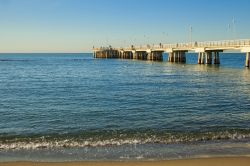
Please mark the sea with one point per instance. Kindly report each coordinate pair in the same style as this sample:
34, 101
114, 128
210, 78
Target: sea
72, 107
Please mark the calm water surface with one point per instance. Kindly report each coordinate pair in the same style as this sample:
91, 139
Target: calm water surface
63, 107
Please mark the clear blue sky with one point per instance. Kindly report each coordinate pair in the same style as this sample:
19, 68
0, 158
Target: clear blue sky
77, 25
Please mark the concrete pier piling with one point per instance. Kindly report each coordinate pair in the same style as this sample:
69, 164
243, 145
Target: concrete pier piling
248, 59
107, 54
127, 55
202, 58
159, 56
134, 55
139, 55
209, 55
209, 58
156, 55
177, 57
130, 55
216, 58
150, 56
182, 57
144, 55
170, 56
199, 58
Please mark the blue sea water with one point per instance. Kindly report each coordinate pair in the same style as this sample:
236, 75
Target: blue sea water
64, 107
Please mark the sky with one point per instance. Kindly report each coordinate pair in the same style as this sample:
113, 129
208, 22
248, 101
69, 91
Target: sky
78, 25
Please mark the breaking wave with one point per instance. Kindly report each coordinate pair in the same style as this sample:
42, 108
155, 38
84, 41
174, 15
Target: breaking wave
114, 139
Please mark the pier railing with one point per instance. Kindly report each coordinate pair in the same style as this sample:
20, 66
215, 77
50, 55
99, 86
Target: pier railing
188, 46
193, 45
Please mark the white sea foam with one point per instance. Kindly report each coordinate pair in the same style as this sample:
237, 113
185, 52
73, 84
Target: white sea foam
42, 142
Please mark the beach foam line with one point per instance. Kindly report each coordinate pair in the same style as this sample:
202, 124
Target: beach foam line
47, 142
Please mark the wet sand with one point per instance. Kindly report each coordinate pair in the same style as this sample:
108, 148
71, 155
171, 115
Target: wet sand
232, 161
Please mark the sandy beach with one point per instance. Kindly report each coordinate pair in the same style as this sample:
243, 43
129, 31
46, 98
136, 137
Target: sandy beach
232, 161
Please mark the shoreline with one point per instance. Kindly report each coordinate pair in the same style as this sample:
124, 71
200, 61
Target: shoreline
228, 161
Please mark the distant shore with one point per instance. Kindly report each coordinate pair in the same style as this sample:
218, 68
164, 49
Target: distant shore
230, 161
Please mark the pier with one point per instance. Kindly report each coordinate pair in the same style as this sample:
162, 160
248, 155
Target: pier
207, 52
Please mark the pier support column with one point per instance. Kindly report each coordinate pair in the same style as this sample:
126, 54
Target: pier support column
119, 54
122, 55
96, 54
139, 55
248, 59
134, 55
202, 58
216, 58
157, 55
111, 54
170, 57
149, 56
152, 56
178, 56
106, 54
126, 56
103, 54
175, 56
199, 57
130, 55
144, 57
208, 58
182, 57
